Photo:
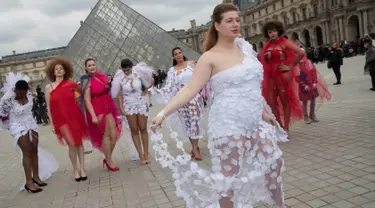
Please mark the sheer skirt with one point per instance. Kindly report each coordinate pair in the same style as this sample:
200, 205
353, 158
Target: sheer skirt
246, 168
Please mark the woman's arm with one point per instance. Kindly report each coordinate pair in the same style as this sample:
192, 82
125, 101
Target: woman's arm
201, 75
299, 53
87, 99
120, 101
47, 91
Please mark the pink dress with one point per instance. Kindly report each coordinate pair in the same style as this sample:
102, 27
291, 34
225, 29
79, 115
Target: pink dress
103, 104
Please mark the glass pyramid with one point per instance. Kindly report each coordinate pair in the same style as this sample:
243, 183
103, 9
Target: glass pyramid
114, 31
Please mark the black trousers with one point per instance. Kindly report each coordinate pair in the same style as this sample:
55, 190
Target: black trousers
372, 74
337, 71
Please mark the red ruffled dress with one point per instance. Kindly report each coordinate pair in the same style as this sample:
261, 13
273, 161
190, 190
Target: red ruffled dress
103, 105
68, 119
277, 84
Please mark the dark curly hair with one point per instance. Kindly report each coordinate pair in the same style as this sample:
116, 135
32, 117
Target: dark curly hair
273, 25
21, 85
50, 69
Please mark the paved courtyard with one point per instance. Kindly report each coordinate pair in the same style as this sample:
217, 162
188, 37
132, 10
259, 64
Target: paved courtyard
328, 164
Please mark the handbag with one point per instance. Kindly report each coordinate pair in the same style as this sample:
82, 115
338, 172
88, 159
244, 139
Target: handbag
329, 66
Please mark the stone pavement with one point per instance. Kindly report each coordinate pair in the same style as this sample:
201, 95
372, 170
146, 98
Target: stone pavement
328, 164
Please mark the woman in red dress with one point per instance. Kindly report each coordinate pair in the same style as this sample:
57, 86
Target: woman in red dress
280, 57
102, 114
65, 113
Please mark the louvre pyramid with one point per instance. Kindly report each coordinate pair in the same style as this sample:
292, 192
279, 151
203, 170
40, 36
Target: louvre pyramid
114, 31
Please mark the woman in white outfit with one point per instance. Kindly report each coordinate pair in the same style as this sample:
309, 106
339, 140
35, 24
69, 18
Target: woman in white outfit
16, 116
130, 85
243, 134
189, 118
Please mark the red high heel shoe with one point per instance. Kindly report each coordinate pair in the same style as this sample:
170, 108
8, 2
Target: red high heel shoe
195, 157
114, 169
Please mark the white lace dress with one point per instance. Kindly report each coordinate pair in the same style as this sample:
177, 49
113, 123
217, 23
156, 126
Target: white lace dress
19, 120
133, 100
246, 161
189, 119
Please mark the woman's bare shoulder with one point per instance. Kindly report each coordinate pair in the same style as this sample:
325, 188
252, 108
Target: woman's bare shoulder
208, 56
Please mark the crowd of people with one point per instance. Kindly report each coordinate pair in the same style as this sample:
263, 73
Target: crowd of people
321, 54
253, 101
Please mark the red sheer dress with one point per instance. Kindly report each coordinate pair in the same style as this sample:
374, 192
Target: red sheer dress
67, 117
104, 106
280, 89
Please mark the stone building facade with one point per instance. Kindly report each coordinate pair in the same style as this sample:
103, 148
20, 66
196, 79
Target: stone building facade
313, 22
194, 36
31, 63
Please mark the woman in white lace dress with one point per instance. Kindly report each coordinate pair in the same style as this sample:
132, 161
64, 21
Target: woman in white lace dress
130, 85
243, 134
16, 116
189, 118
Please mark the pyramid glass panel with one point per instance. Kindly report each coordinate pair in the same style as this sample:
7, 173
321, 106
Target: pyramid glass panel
114, 31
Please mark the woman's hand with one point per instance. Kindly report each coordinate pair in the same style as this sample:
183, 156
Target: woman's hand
95, 120
268, 118
122, 111
284, 68
157, 121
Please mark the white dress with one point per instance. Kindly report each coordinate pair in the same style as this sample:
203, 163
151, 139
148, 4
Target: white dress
133, 100
246, 160
189, 119
21, 122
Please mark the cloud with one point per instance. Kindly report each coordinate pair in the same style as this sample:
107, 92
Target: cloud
29, 25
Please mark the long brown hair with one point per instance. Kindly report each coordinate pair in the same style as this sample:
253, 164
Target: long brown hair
212, 34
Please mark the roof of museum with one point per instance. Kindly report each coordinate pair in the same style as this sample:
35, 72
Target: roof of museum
33, 54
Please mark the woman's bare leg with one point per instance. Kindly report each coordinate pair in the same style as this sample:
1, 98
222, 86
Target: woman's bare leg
26, 147
113, 131
73, 159
106, 144
195, 147
142, 125
272, 102
35, 160
286, 107
81, 157
133, 125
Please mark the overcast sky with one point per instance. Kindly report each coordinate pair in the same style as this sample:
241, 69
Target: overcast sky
28, 25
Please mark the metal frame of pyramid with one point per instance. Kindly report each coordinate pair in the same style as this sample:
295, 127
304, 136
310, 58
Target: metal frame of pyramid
114, 31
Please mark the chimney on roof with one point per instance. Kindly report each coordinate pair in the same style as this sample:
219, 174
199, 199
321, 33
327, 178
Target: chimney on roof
14, 52
81, 22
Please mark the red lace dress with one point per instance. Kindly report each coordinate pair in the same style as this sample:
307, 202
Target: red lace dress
67, 117
280, 89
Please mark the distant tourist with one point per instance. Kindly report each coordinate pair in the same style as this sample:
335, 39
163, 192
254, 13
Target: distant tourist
370, 59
